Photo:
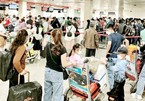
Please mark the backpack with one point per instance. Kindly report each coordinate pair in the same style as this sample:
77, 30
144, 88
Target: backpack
6, 65
69, 34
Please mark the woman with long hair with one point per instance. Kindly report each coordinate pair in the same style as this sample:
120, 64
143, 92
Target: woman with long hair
38, 35
56, 59
18, 51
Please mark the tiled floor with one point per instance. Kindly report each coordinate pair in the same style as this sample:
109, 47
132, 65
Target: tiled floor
37, 74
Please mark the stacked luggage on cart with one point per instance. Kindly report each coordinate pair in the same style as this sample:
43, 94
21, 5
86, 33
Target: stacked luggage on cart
81, 86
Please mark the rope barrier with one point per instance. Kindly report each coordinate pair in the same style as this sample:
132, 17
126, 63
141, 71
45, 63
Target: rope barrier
99, 33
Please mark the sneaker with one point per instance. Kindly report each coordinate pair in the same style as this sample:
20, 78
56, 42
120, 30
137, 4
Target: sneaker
139, 97
136, 96
133, 95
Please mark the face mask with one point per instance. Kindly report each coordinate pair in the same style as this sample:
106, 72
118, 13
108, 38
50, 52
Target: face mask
107, 32
119, 57
79, 52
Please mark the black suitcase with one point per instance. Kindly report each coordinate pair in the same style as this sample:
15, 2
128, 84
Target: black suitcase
30, 91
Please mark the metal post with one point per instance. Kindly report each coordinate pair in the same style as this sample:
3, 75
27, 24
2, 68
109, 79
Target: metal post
88, 82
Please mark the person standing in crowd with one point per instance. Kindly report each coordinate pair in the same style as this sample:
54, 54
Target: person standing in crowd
22, 24
37, 37
18, 51
3, 38
55, 23
119, 69
63, 24
30, 21
56, 59
67, 21
141, 80
70, 40
2, 29
120, 28
142, 36
91, 40
45, 24
114, 42
88, 24
7, 21
98, 25
129, 31
76, 24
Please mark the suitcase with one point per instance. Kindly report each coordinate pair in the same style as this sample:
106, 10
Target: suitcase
30, 91
94, 89
132, 49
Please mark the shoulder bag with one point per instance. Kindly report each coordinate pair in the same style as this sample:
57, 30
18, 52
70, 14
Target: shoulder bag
65, 74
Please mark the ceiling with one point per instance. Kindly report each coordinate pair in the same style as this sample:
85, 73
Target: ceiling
77, 3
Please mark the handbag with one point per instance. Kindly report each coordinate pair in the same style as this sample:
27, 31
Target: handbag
65, 74
69, 33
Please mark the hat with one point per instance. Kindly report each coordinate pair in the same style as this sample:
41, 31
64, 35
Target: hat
3, 35
122, 50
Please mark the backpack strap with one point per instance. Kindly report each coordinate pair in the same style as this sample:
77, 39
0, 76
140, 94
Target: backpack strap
69, 29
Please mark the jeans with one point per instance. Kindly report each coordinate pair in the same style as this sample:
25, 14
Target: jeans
110, 73
141, 82
53, 85
118, 91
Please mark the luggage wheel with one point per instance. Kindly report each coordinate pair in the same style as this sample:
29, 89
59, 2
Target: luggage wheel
132, 89
31, 60
68, 94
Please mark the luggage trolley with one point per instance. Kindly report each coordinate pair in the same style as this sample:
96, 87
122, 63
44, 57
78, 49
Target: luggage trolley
80, 85
134, 70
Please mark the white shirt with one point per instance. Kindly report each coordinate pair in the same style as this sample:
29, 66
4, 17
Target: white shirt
73, 30
2, 29
45, 25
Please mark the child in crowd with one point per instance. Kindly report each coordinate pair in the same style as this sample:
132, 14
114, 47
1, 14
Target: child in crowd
75, 54
117, 93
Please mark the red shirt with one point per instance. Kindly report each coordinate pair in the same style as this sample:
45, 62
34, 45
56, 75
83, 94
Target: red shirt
7, 22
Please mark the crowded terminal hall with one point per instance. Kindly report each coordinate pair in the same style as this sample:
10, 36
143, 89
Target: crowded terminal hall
72, 50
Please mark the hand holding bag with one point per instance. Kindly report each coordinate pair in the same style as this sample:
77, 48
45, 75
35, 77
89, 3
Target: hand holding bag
65, 74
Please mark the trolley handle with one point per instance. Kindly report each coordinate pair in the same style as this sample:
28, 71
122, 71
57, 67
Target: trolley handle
25, 74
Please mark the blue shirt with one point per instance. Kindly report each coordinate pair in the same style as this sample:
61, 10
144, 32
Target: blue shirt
116, 40
119, 69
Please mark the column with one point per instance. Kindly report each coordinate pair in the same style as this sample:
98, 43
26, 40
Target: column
37, 11
22, 8
121, 8
86, 12
71, 12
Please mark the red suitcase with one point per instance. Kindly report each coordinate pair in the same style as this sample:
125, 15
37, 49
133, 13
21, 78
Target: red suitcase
94, 89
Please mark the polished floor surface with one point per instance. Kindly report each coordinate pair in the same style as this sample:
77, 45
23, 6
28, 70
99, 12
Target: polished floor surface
37, 74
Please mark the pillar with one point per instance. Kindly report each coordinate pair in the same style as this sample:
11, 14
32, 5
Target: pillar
86, 12
71, 12
121, 8
22, 8
36, 11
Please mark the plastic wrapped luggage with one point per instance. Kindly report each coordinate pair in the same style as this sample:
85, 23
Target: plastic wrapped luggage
94, 90
30, 91
132, 49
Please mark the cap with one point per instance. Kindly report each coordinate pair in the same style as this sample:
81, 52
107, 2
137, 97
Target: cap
122, 50
3, 35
